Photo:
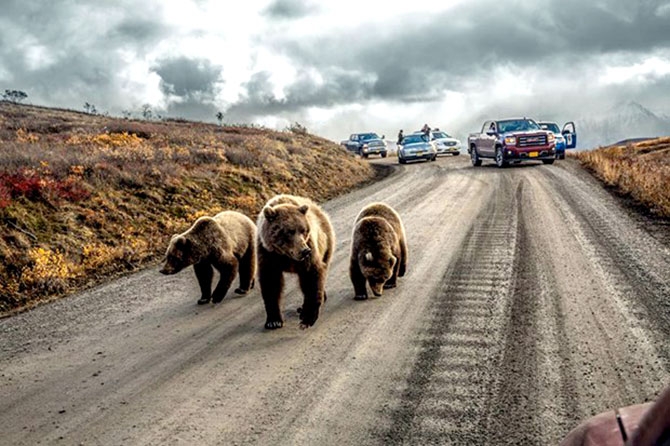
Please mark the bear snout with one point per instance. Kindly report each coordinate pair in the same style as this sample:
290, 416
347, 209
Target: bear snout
305, 253
167, 270
377, 288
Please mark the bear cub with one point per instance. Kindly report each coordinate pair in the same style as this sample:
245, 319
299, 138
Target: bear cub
378, 250
294, 236
224, 242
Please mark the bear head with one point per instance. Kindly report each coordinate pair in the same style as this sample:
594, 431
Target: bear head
286, 231
377, 268
180, 254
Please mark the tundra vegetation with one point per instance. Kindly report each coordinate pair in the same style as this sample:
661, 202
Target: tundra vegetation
85, 197
640, 170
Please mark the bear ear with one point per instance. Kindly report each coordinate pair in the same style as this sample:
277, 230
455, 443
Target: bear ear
182, 242
269, 213
368, 256
303, 209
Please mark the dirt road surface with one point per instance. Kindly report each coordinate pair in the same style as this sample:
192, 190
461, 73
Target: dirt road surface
532, 301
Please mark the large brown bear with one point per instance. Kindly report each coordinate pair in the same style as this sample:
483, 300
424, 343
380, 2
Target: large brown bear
378, 250
294, 236
224, 242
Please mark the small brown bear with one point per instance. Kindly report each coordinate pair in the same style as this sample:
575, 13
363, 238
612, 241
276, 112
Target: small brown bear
224, 242
378, 250
294, 236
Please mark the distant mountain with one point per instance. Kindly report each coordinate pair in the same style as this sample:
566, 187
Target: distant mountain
623, 122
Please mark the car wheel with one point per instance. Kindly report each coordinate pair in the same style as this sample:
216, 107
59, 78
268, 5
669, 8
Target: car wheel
457, 153
383, 154
474, 156
548, 161
500, 157
434, 158
401, 160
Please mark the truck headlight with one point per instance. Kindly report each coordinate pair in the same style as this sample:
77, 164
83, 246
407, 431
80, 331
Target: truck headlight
510, 140
551, 138
365, 147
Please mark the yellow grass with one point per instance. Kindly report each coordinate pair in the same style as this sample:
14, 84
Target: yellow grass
84, 198
641, 170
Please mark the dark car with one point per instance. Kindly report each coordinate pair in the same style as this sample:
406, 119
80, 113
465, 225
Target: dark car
366, 144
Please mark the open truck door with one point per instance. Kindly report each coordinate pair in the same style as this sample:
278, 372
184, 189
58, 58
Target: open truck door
570, 135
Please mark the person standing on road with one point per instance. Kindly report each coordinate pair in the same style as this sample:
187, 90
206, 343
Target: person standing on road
400, 137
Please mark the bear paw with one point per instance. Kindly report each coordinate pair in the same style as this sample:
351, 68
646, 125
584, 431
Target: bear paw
308, 318
217, 300
361, 297
241, 291
273, 325
203, 301
390, 285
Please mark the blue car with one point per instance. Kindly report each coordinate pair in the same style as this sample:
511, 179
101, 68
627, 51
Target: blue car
565, 139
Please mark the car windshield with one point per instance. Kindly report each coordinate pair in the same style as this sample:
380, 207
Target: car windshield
412, 139
366, 136
440, 135
515, 125
551, 126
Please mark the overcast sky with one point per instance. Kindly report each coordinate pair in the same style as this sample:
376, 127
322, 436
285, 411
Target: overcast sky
340, 66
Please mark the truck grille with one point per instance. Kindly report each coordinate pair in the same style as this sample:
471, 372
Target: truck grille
375, 143
532, 140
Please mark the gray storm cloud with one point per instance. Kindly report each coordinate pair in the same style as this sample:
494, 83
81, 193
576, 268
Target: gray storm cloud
65, 53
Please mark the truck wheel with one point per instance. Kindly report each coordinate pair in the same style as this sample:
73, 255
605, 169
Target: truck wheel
548, 161
474, 157
457, 153
365, 155
500, 158
383, 154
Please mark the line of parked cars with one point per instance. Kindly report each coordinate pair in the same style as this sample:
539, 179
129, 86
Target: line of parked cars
505, 141
413, 147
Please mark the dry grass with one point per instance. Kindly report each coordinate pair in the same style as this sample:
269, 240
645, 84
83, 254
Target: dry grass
84, 198
641, 170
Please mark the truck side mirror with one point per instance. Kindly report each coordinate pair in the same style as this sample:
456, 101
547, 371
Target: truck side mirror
491, 132
383, 136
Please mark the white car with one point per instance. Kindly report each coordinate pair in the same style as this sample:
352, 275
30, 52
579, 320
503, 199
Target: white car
444, 143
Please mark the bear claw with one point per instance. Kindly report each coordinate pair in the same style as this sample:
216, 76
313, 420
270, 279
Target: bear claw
203, 301
241, 291
389, 285
361, 297
274, 325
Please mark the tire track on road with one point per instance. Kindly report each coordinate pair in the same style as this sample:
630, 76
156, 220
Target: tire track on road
445, 400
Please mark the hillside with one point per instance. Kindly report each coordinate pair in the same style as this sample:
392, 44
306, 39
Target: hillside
86, 197
640, 170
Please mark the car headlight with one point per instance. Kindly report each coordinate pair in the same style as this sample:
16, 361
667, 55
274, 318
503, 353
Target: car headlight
510, 140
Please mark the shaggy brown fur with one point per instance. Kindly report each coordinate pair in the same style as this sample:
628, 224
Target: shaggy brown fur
224, 242
378, 250
294, 236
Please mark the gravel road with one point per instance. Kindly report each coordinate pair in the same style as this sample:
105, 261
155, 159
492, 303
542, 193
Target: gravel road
532, 301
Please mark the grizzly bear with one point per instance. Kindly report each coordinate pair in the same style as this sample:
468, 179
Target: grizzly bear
378, 250
224, 242
294, 236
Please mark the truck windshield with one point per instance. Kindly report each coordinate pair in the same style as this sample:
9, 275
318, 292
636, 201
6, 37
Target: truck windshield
551, 126
366, 136
517, 125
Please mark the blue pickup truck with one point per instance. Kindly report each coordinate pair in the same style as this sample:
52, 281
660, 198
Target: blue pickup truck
366, 144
